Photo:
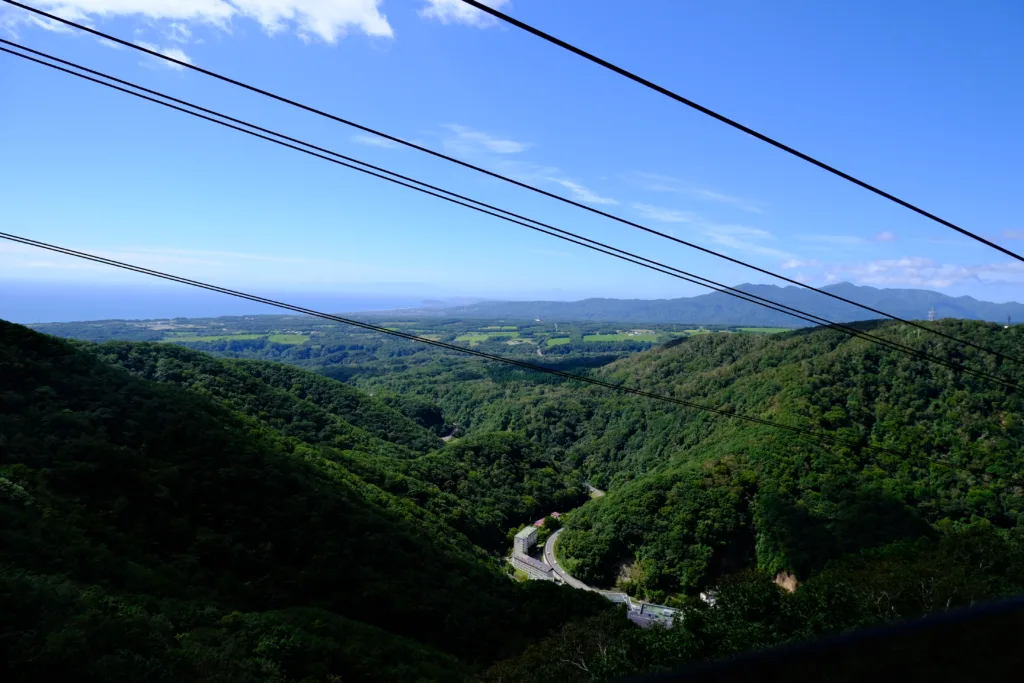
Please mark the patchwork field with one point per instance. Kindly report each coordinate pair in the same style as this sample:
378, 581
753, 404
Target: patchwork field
209, 338
621, 336
288, 338
477, 337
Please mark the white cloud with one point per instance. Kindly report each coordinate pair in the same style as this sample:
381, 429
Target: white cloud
663, 215
172, 52
1013, 234
799, 263
654, 182
885, 237
50, 25
738, 230
582, 193
469, 140
525, 171
735, 240
179, 32
739, 237
924, 272
374, 141
712, 196
912, 271
327, 19
458, 12
838, 240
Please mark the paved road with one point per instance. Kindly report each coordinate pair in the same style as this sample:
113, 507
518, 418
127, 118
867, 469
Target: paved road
660, 615
549, 557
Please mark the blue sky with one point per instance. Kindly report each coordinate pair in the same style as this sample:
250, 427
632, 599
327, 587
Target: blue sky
919, 97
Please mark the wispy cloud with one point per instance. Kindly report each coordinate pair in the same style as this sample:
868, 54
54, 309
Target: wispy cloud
739, 230
654, 182
800, 263
712, 196
748, 242
172, 52
738, 237
846, 240
837, 240
525, 171
458, 12
911, 271
179, 32
468, 140
919, 271
50, 24
582, 193
374, 141
12, 18
1012, 234
327, 20
663, 215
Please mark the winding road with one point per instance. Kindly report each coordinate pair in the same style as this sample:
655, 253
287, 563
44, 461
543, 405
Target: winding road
636, 613
549, 558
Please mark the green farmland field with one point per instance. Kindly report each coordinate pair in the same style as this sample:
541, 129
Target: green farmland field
288, 338
620, 336
477, 337
211, 338
557, 341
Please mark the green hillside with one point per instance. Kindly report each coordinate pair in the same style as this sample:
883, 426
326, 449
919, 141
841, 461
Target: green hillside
693, 496
151, 532
299, 403
168, 512
699, 503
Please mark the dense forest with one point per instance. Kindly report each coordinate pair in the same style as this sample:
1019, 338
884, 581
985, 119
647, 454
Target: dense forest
153, 531
693, 497
205, 514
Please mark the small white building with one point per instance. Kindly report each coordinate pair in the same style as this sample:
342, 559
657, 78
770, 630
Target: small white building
525, 540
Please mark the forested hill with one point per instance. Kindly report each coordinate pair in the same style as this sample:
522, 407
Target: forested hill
214, 527
721, 309
294, 401
167, 515
693, 497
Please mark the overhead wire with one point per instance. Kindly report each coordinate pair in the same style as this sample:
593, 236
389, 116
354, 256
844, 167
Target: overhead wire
493, 174
730, 413
730, 122
494, 211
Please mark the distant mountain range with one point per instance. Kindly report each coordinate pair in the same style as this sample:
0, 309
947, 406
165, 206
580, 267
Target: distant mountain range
722, 309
